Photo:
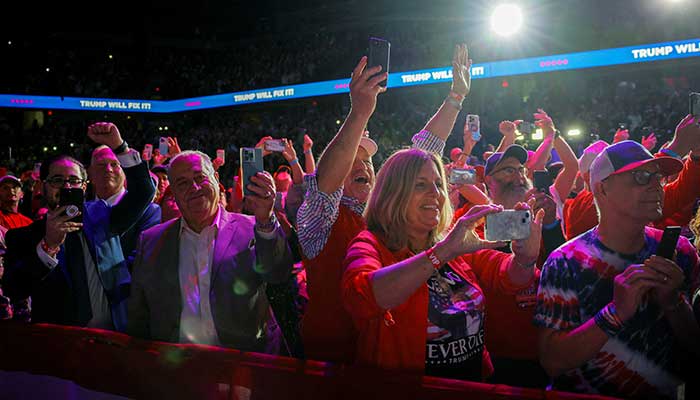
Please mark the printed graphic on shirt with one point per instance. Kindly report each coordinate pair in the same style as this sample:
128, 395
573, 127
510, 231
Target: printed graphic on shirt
455, 327
576, 282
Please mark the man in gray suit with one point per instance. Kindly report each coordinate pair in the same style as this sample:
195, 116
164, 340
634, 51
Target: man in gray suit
201, 278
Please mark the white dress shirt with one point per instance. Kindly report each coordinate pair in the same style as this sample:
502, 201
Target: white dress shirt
194, 268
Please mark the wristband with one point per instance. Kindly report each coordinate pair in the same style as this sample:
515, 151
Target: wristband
608, 320
121, 148
294, 161
52, 251
307, 151
268, 226
430, 253
456, 96
454, 103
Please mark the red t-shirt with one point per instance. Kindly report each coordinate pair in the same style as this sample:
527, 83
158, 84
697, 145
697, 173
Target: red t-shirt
12, 220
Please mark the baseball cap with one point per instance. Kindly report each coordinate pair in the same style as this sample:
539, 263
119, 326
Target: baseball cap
628, 155
10, 178
589, 154
369, 144
514, 150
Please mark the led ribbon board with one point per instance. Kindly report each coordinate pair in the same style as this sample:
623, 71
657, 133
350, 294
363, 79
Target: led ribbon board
560, 62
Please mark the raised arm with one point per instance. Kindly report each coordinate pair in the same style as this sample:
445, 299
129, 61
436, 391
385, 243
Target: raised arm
290, 155
337, 159
309, 162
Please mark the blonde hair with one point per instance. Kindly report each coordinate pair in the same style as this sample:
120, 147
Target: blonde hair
387, 208
695, 228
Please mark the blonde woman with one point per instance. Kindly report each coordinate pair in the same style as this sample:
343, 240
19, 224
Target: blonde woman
413, 297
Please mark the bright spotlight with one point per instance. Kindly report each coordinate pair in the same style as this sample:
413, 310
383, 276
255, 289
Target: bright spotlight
573, 132
506, 19
538, 135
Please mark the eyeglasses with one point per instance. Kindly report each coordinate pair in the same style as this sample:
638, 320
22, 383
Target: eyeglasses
510, 171
642, 178
58, 182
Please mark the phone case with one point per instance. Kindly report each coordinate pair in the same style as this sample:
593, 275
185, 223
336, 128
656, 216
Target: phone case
251, 164
463, 176
74, 199
148, 151
379, 54
542, 180
669, 241
163, 146
221, 154
473, 122
508, 225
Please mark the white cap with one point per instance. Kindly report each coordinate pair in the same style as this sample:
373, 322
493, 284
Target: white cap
369, 144
589, 154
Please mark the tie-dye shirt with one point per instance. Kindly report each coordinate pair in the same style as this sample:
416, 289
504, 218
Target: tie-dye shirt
576, 282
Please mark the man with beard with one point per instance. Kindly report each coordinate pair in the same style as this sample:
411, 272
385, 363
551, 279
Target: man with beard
76, 272
609, 310
331, 214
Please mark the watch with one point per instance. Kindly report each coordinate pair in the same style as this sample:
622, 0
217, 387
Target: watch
122, 148
268, 226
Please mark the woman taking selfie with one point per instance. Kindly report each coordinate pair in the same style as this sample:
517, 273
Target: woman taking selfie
408, 284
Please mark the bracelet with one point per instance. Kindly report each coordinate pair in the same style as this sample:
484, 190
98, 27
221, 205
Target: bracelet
52, 251
608, 320
267, 226
454, 103
294, 161
121, 148
456, 96
307, 151
430, 253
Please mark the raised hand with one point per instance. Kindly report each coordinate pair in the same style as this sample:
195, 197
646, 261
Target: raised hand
261, 145
461, 66
308, 143
364, 88
289, 153
173, 147
544, 121
620, 135
105, 133
508, 128
58, 225
527, 250
462, 239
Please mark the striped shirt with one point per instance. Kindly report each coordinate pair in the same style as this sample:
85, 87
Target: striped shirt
319, 211
576, 282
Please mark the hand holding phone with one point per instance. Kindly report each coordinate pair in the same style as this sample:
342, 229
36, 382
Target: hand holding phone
220, 153
148, 152
542, 180
463, 176
508, 225
251, 164
379, 54
73, 198
163, 147
669, 241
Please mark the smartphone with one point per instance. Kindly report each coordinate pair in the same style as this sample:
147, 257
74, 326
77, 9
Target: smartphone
251, 164
527, 127
542, 180
274, 145
220, 153
74, 198
508, 225
163, 145
669, 240
694, 104
463, 176
379, 54
37, 168
147, 151
278, 202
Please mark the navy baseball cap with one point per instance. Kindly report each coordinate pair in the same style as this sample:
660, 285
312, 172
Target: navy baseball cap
514, 150
628, 155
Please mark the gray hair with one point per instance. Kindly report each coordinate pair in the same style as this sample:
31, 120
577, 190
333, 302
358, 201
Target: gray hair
207, 166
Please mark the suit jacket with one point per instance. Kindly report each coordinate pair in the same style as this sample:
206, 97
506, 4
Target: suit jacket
60, 295
241, 257
129, 239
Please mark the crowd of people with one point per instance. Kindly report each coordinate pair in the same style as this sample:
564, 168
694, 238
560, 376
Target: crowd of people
320, 257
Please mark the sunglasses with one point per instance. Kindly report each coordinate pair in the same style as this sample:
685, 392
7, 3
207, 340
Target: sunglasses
642, 178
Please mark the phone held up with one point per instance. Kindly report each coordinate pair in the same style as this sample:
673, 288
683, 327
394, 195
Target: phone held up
73, 198
527, 128
542, 180
251, 164
474, 126
669, 240
379, 54
163, 146
508, 225
220, 153
463, 176
275, 145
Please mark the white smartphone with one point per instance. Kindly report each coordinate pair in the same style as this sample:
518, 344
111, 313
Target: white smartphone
220, 153
274, 145
508, 225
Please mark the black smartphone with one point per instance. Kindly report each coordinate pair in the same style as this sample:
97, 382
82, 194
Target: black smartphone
669, 240
542, 180
379, 54
694, 100
73, 198
251, 164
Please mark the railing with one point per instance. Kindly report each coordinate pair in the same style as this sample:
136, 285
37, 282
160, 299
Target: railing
114, 363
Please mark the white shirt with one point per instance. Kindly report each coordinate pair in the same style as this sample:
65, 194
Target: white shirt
194, 268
